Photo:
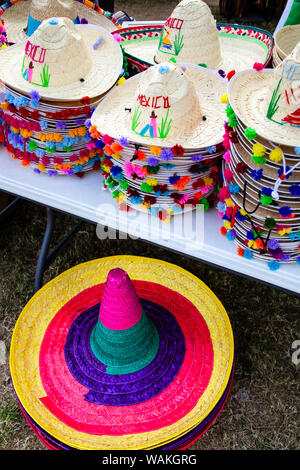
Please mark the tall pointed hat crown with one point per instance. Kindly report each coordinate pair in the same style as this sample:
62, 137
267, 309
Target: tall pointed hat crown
124, 339
190, 35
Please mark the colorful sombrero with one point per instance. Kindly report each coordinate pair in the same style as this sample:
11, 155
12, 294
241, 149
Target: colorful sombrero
259, 202
51, 85
22, 17
190, 35
63, 61
161, 135
285, 41
122, 353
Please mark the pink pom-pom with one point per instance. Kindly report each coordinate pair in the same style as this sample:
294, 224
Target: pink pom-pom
227, 157
258, 66
228, 175
106, 139
117, 37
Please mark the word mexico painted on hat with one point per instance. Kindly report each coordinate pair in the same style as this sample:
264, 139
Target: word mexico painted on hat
155, 102
174, 23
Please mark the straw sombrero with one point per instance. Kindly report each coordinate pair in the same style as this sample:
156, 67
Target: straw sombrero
286, 39
22, 17
165, 105
268, 101
63, 61
190, 35
122, 353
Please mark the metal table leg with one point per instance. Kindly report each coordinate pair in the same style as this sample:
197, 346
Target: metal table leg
46, 258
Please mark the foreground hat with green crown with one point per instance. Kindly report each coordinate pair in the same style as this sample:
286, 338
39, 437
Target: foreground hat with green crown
122, 353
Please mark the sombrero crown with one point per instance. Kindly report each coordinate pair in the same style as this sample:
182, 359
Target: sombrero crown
190, 26
124, 339
283, 102
40, 10
166, 103
55, 42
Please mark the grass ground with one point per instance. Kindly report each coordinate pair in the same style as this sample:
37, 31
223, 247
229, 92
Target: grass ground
261, 412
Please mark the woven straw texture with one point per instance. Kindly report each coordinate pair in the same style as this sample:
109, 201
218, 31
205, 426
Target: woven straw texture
249, 95
184, 32
286, 40
69, 59
16, 17
43, 307
192, 94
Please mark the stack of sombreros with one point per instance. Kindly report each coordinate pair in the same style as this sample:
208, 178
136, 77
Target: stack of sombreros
52, 83
22, 17
161, 134
285, 41
191, 35
122, 353
260, 200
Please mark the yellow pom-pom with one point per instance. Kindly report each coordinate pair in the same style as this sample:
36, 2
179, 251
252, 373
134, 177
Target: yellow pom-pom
229, 203
208, 181
227, 225
41, 167
259, 150
121, 80
155, 150
276, 155
224, 98
152, 181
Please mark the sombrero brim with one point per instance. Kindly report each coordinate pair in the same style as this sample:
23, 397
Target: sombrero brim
247, 92
16, 19
286, 39
180, 444
241, 46
111, 118
181, 407
107, 65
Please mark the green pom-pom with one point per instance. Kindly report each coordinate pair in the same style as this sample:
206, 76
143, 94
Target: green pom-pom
152, 170
269, 223
203, 65
250, 133
50, 150
112, 184
124, 185
32, 145
173, 60
146, 188
204, 202
115, 193
67, 149
258, 160
266, 200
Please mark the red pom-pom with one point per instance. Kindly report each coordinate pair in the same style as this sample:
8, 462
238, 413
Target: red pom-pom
223, 231
230, 74
258, 66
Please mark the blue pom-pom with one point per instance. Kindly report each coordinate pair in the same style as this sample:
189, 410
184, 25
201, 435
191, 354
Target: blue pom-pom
247, 253
274, 265
163, 69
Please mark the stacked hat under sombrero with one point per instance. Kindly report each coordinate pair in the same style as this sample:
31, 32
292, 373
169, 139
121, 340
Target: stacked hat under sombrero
161, 134
51, 84
190, 35
122, 353
22, 18
285, 41
260, 202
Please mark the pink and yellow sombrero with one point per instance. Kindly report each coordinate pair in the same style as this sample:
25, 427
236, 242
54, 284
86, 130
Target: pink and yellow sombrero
122, 353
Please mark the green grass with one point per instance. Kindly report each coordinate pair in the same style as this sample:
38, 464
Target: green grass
261, 409
136, 118
165, 126
45, 76
178, 43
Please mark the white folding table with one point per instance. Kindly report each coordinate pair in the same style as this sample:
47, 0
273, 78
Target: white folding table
85, 199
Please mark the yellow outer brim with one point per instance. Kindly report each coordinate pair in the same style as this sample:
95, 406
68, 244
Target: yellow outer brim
43, 306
